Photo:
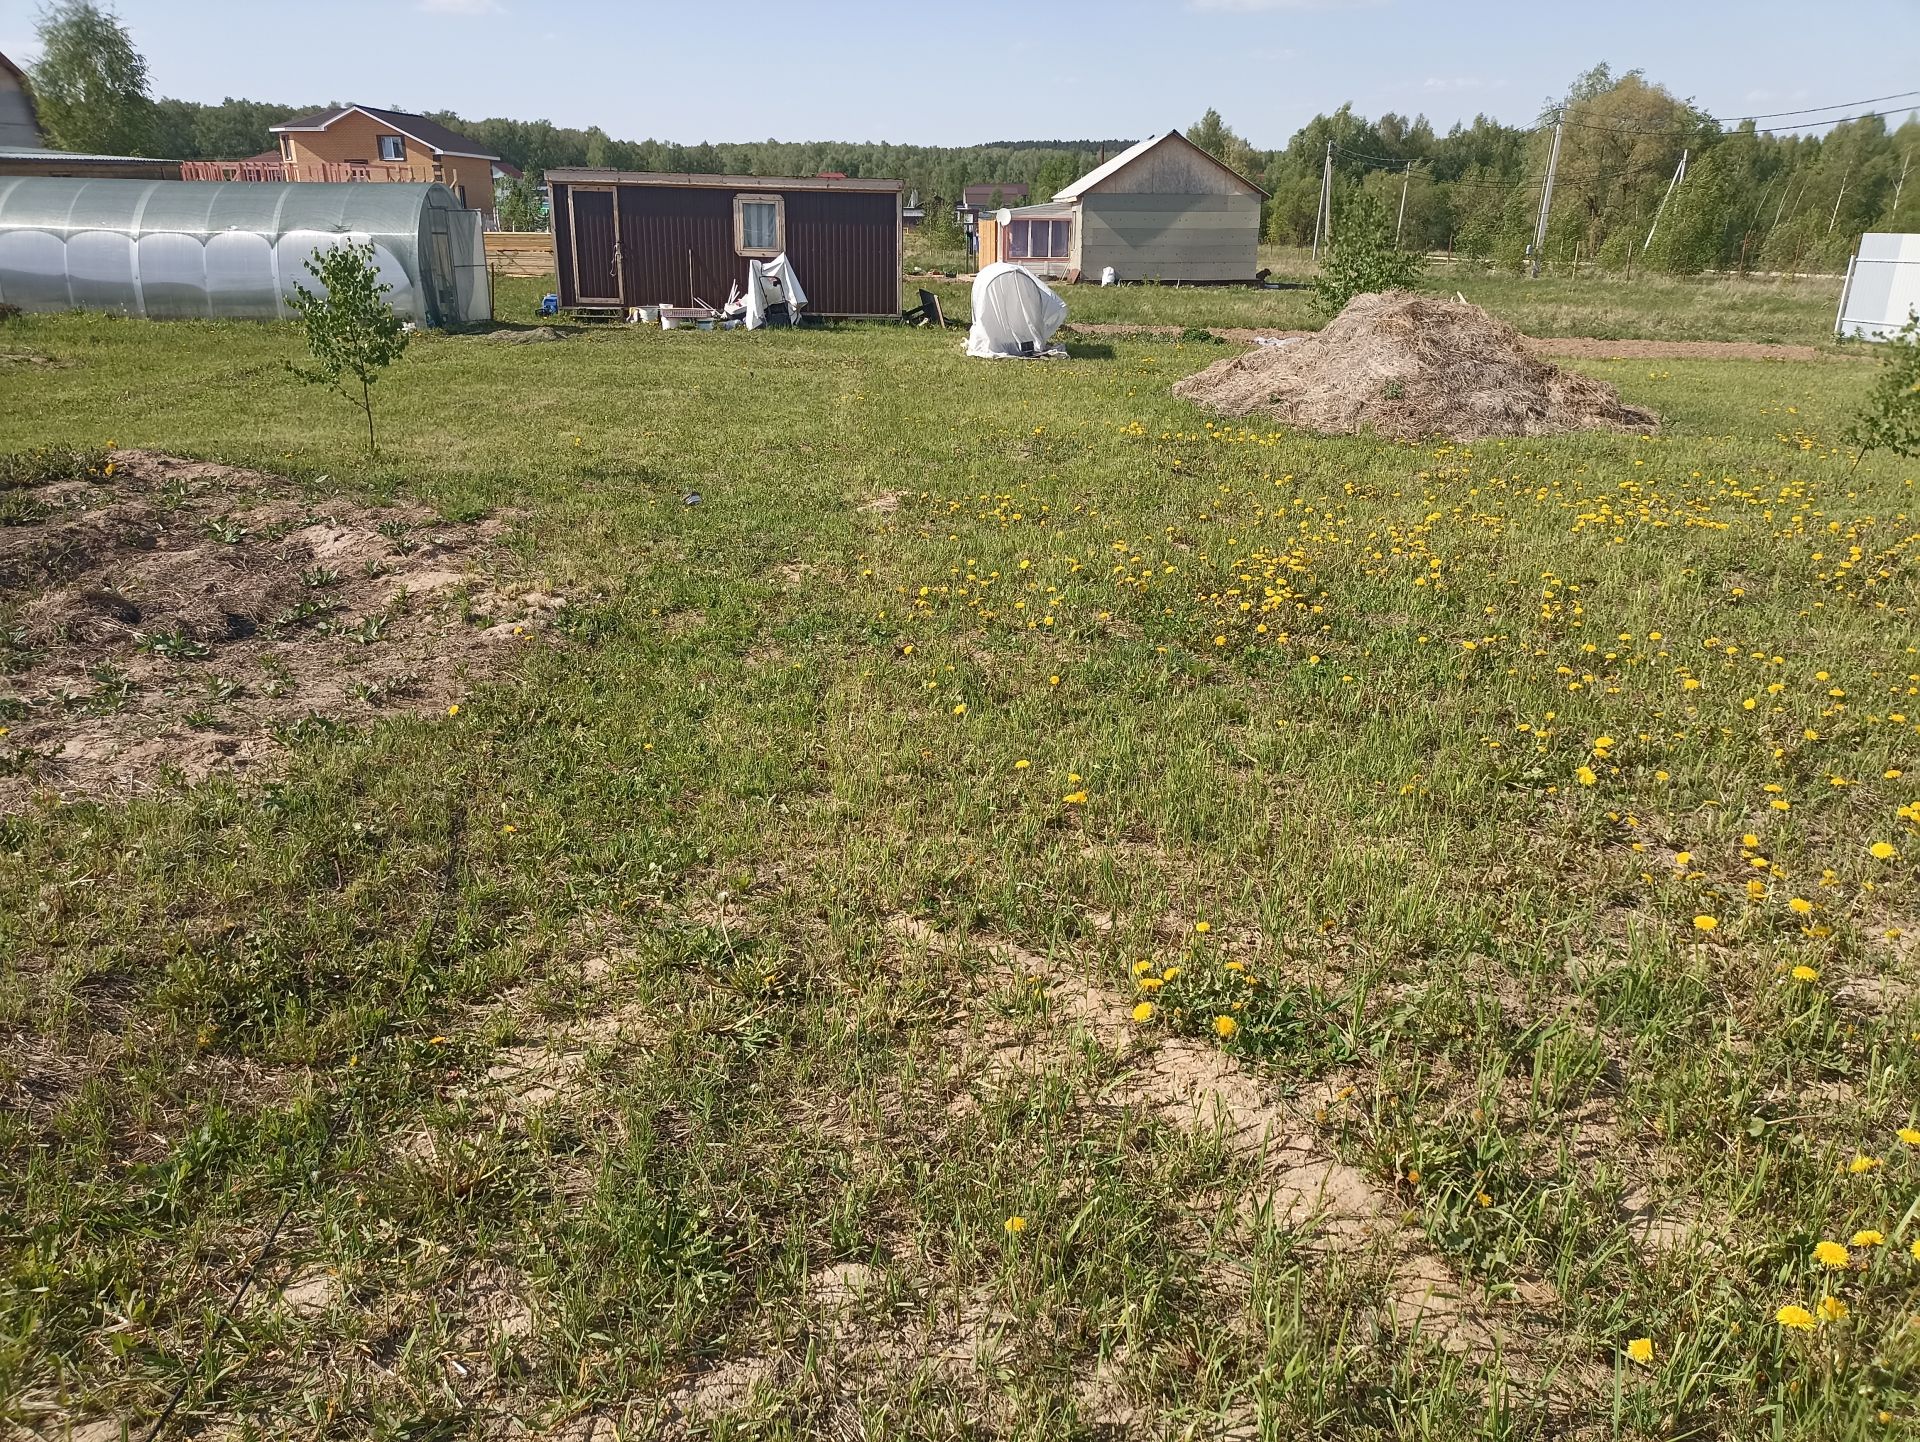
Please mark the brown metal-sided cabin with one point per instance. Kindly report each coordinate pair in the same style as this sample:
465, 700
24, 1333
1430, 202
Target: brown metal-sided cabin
629, 238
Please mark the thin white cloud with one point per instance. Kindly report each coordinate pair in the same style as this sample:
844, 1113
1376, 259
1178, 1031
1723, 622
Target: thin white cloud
1261, 7
459, 7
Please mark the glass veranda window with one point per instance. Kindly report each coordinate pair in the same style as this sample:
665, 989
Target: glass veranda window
1029, 239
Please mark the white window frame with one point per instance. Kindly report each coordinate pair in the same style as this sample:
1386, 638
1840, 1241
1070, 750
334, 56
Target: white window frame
1029, 221
399, 144
740, 246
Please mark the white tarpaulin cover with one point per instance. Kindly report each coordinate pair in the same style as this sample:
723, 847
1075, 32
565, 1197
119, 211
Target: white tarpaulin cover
1883, 287
769, 283
1014, 314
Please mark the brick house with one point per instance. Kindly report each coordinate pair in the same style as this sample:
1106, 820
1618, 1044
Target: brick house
358, 142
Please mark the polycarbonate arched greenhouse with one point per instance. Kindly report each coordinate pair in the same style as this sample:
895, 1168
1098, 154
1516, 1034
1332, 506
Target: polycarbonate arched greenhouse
173, 249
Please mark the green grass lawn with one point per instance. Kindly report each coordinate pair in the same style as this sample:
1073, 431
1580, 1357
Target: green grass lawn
1646, 307
995, 760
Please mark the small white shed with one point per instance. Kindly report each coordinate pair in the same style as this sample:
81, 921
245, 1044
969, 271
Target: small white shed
1883, 287
1161, 210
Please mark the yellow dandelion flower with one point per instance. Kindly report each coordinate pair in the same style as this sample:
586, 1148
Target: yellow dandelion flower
1868, 1237
1015, 1225
1831, 1254
1909, 1135
1915, 1249
1882, 851
1800, 906
1143, 1012
1705, 923
1022, 764
1683, 859
1805, 973
960, 709
1203, 927
1832, 1309
1798, 1318
1075, 798
1141, 968
454, 710
1585, 776
1640, 1350
1150, 983
1224, 1027
1862, 1163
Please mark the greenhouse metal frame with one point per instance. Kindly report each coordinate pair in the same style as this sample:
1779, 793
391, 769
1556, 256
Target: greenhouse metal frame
170, 249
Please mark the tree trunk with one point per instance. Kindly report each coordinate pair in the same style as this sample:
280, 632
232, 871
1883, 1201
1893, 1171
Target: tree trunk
366, 404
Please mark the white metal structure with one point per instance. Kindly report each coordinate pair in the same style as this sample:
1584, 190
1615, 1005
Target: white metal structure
1883, 287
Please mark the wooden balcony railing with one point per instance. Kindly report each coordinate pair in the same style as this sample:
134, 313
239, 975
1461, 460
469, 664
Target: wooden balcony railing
263, 170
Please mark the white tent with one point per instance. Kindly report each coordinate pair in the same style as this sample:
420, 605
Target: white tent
1014, 314
1883, 287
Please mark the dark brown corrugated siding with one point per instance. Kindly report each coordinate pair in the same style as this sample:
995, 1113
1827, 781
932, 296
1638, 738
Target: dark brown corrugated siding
844, 244
562, 244
660, 226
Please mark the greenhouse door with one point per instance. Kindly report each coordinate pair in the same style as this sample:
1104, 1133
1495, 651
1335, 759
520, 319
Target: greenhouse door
596, 245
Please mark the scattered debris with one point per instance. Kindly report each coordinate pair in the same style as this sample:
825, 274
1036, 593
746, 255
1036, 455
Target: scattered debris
1409, 367
524, 335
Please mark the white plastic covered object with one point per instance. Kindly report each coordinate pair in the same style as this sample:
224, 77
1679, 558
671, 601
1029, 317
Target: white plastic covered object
1014, 314
769, 284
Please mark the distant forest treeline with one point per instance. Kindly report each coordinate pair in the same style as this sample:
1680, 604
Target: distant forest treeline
1750, 198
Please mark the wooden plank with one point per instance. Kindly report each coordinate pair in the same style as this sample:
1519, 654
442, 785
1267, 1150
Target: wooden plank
519, 252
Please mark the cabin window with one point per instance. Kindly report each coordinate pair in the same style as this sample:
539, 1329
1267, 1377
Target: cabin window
1029, 239
392, 147
759, 225
286, 147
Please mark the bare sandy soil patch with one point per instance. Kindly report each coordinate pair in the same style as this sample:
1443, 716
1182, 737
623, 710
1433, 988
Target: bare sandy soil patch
163, 616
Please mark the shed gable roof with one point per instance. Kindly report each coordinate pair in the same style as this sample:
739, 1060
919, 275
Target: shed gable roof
25, 89
1093, 178
433, 135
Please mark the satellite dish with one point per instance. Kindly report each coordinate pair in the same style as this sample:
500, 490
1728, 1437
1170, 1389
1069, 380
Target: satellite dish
1005, 217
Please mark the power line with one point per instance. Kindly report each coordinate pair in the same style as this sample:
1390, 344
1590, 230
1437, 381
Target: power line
1686, 127
1813, 109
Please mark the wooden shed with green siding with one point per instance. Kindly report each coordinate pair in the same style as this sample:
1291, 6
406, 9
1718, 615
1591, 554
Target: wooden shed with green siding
1161, 210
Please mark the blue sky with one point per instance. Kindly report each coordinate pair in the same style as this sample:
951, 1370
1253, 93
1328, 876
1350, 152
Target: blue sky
1123, 68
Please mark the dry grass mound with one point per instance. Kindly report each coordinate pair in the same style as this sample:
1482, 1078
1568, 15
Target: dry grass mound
168, 617
1409, 367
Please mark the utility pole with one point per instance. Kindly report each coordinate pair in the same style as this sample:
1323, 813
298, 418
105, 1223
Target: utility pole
1679, 174
1546, 197
1834, 219
1324, 213
1407, 175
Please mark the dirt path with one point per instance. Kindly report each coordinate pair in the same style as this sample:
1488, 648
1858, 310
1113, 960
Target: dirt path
1577, 347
